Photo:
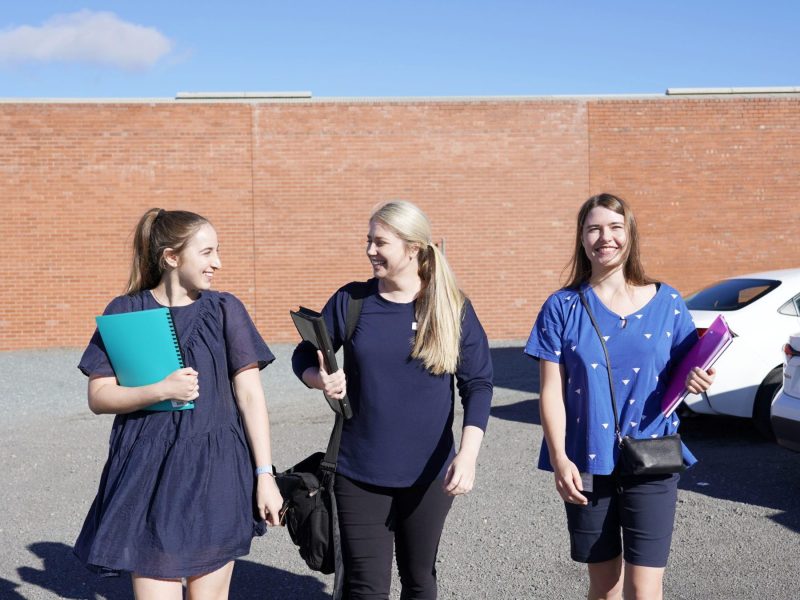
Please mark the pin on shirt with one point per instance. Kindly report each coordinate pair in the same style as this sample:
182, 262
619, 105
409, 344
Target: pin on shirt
414, 326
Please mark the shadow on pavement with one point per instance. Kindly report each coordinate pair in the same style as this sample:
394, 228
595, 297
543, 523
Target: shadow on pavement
515, 370
255, 580
63, 575
8, 590
66, 577
737, 464
525, 411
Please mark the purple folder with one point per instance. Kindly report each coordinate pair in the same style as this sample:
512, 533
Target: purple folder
705, 351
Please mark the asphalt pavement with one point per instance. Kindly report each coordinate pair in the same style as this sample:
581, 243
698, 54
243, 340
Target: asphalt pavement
737, 534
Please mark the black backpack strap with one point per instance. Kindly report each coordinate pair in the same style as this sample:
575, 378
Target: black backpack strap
356, 292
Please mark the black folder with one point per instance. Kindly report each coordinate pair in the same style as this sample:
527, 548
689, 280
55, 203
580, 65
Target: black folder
312, 329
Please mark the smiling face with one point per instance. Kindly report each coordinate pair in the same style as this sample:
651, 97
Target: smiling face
605, 239
389, 255
198, 261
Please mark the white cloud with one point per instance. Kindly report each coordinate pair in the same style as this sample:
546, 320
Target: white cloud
87, 37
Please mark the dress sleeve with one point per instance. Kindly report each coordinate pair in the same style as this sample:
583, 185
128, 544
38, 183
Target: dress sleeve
684, 331
474, 374
244, 344
94, 361
545, 339
335, 314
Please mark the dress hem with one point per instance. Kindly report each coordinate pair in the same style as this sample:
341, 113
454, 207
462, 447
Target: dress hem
107, 570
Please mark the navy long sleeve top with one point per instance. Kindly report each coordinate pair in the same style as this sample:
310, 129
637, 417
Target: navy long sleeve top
401, 431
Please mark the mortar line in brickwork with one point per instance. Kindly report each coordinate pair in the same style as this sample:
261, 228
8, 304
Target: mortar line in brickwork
253, 108
588, 108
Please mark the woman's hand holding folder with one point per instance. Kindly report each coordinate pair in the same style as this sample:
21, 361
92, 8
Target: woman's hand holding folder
107, 396
180, 385
333, 384
698, 380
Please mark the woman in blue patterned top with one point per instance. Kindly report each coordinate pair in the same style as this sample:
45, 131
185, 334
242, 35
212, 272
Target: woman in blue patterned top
647, 329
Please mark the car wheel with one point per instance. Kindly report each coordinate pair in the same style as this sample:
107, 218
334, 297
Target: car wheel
763, 401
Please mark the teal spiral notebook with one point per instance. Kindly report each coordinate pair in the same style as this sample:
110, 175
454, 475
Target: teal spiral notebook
143, 348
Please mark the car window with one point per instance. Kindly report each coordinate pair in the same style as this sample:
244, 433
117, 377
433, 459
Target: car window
791, 307
730, 294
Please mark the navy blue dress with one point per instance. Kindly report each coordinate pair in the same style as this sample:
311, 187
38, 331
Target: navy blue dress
176, 496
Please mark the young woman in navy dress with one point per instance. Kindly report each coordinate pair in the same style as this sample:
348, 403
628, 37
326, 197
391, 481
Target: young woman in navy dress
398, 471
178, 497
647, 327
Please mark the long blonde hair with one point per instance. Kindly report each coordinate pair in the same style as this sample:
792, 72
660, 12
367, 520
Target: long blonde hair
440, 303
156, 231
581, 268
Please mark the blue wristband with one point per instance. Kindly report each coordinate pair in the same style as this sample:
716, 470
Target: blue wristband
268, 470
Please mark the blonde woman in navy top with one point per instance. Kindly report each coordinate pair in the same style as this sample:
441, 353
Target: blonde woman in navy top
647, 328
398, 470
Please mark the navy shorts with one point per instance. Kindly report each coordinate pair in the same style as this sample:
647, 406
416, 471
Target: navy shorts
643, 511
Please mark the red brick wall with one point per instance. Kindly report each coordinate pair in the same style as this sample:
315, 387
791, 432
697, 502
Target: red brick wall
74, 180
493, 177
290, 187
714, 182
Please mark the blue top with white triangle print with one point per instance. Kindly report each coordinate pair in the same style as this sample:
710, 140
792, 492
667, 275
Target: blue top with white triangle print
642, 347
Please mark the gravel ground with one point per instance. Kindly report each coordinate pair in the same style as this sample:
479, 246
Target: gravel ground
737, 533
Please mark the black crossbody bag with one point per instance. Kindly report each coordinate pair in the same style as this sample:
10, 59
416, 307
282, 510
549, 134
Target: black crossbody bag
649, 456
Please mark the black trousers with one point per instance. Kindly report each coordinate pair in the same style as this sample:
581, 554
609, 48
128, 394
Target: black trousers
378, 521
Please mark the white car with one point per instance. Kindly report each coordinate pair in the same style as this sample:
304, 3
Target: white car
786, 406
762, 310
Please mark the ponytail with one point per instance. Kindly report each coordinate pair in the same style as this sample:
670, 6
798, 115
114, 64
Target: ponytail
145, 272
439, 314
157, 231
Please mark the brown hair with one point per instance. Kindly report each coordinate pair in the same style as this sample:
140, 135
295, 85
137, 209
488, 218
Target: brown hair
156, 231
581, 268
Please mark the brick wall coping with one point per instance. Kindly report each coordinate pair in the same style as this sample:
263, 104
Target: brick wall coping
306, 98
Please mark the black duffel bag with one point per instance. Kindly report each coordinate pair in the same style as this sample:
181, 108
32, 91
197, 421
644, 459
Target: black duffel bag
309, 512
309, 509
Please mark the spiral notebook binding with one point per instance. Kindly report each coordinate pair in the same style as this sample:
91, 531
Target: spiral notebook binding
175, 339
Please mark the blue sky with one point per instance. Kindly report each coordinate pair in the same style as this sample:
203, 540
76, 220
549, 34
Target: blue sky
65, 48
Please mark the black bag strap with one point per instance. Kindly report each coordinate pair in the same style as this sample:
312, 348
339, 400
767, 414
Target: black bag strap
356, 292
617, 431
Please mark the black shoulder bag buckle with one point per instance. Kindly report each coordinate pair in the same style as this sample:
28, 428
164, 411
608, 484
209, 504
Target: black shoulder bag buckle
650, 456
